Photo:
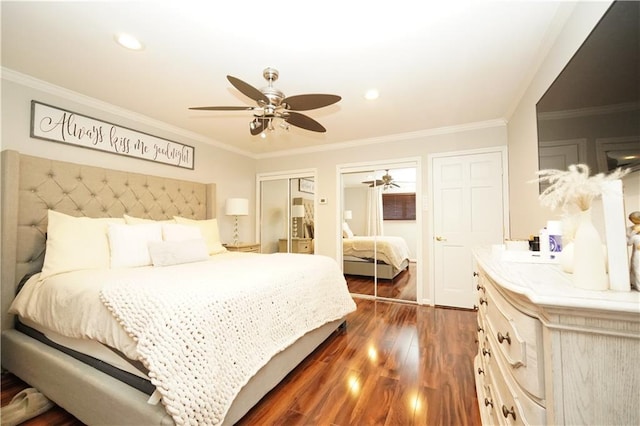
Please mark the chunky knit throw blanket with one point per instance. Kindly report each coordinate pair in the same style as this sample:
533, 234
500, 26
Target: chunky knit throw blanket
204, 329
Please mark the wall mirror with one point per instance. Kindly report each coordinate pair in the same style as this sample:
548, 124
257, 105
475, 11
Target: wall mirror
379, 231
286, 204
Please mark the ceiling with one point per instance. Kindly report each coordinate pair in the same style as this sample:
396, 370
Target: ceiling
436, 64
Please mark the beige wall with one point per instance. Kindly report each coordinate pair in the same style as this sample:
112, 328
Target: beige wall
233, 173
526, 215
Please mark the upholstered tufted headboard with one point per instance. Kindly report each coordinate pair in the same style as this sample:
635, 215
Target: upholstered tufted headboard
31, 186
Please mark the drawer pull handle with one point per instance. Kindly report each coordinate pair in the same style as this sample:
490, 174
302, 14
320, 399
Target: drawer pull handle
502, 338
483, 300
475, 274
479, 287
480, 329
480, 371
486, 352
506, 412
488, 402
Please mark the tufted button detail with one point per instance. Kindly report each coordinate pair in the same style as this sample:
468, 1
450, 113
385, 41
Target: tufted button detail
126, 184
79, 178
33, 190
50, 174
104, 181
146, 185
104, 210
93, 195
164, 189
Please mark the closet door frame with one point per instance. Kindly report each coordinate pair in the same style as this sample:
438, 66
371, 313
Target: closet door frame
406, 162
280, 175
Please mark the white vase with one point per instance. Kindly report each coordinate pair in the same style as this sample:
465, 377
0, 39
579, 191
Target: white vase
589, 263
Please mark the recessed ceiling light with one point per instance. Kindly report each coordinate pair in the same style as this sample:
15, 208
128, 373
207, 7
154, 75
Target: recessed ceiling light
371, 94
129, 41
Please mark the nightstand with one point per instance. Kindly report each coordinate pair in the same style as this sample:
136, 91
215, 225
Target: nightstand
244, 247
298, 245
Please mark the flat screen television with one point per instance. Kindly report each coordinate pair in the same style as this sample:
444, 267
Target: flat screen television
591, 112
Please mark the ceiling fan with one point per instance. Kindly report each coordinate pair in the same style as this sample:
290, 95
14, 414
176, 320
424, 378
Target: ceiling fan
273, 104
386, 181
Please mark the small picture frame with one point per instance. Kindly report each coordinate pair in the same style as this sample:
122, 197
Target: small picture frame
306, 185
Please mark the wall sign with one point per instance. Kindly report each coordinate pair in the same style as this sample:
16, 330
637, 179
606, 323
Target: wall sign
306, 185
59, 125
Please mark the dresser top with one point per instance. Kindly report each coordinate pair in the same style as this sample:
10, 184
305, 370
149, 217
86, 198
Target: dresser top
546, 284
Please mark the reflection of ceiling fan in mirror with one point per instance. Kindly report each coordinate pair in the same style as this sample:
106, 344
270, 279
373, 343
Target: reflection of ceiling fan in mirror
273, 104
386, 181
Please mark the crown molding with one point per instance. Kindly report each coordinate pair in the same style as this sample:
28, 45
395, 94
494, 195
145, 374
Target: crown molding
499, 122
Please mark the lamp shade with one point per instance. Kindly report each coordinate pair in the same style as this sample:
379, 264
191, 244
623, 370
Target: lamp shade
237, 207
297, 211
348, 214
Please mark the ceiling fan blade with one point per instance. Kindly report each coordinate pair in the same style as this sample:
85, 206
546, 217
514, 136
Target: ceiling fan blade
248, 90
307, 102
261, 125
372, 183
224, 108
304, 122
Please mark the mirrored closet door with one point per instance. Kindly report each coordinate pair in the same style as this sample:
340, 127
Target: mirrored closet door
286, 220
380, 232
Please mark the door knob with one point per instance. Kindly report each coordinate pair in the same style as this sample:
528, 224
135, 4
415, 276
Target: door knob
441, 238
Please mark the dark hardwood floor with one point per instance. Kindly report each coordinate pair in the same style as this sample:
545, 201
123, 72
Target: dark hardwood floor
402, 287
396, 364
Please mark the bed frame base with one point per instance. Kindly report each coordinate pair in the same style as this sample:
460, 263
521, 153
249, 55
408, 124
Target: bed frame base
367, 269
97, 398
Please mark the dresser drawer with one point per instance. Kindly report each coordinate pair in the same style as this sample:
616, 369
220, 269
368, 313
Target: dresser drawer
484, 389
511, 404
517, 339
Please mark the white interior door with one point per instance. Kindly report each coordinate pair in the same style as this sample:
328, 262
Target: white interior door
467, 211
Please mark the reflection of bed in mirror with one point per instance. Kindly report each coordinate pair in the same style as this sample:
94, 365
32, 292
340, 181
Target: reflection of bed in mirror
381, 256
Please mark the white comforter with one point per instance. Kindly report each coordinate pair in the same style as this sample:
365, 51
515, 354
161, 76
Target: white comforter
391, 250
202, 329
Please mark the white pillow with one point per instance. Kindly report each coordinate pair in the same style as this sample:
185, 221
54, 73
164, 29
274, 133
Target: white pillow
346, 231
176, 252
130, 220
209, 230
75, 243
130, 244
178, 232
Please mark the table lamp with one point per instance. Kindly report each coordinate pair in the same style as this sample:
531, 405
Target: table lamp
237, 207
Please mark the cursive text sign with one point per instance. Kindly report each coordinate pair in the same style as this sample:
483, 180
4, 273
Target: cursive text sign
59, 125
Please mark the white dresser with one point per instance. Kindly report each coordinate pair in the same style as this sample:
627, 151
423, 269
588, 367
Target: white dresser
549, 353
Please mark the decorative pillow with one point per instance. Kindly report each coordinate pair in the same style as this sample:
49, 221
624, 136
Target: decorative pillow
129, 244
346, 231
75, 243
130, 220
178, 232
209, 229
176, 252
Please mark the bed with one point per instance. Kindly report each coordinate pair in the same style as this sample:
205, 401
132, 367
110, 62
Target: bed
32, 188
381, 256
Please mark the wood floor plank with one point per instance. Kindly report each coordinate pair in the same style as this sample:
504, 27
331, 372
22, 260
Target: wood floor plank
395, 364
